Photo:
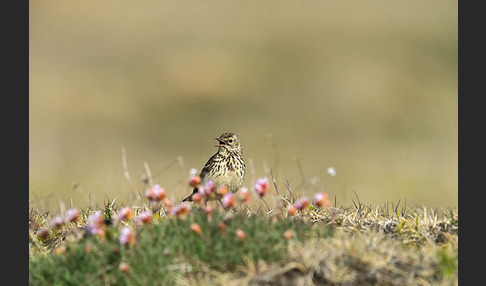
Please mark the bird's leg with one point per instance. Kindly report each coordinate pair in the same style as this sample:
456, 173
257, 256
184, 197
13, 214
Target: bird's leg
221, 204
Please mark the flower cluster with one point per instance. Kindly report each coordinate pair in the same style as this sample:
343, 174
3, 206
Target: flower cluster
58, 222
205, 191
320, 200
127, 220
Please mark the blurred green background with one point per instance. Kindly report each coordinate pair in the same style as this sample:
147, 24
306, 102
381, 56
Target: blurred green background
367, 87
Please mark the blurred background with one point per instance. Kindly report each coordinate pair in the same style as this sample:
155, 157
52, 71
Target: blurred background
369, 88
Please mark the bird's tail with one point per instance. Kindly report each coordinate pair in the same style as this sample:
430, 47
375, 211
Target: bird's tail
189, 198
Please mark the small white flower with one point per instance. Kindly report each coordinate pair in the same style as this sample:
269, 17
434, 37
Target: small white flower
331, 171
192, 172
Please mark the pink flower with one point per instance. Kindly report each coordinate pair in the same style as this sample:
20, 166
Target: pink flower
150, 195
59, 250
222, 190
197, 197
57, 222
208, 188
181, 210
95, 223
321, 200
167, 205
209, 212
302, 203
159, 193
244, 195
126, 236
144, 217
195, 181
228, 200
155, 194
288, 234
42, 233
262, 186
222, 227
291, 210
72, 215
196, 228
125, 214
240, 234
124, 267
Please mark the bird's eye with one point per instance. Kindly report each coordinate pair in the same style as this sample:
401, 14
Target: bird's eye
230, 141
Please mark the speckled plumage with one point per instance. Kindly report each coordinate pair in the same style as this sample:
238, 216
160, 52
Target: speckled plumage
226, 167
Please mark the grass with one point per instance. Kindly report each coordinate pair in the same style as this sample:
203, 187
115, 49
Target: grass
247, 245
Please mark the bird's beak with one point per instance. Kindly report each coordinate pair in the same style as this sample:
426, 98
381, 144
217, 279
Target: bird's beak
220, 143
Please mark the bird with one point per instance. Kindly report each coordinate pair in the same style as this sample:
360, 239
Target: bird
225, 168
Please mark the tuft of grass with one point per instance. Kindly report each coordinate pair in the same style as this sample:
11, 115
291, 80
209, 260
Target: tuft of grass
360, 259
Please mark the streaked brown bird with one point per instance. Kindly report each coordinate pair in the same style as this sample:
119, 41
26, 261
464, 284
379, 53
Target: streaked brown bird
225, 168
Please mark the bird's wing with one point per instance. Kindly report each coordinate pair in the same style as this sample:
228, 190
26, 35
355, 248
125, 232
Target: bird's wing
207, 167
202, 175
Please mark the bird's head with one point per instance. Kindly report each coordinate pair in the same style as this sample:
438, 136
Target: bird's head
229, 142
